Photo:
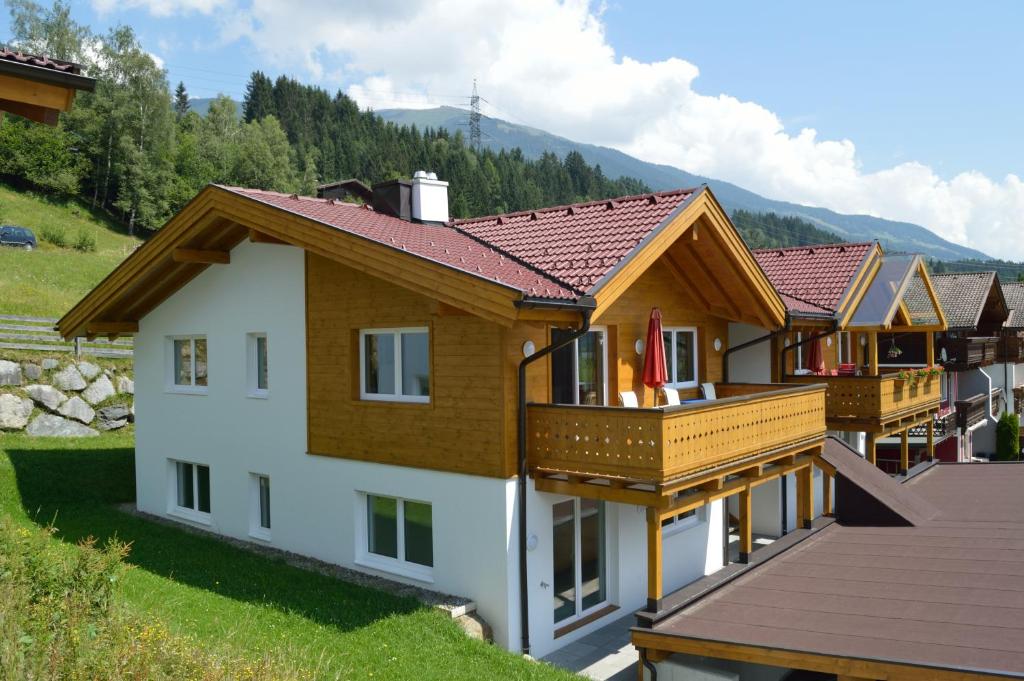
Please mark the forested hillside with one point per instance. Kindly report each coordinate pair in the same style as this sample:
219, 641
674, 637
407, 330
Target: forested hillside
765, 230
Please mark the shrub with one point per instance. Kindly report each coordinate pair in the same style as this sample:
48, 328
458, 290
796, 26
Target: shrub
1008, 437
54, 235
61, 618
86, 241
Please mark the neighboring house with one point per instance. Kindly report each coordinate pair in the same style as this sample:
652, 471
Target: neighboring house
913, 581
849, 300
38, 88
972, 391
1011, 349
433, 401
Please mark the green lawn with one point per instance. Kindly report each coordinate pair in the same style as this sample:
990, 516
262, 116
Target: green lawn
49, 281
228, 597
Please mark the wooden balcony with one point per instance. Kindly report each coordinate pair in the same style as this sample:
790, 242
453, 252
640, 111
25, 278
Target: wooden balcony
971, 411
876, 404
1011, 349
967, 353
659, 445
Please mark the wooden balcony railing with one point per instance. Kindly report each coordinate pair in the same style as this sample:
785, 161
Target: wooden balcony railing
876, 399
971, 411
1018, 400
964, 353
1011, 349
941, 426
657, 445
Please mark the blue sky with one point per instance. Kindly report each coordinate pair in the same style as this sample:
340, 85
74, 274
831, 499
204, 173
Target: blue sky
821, 103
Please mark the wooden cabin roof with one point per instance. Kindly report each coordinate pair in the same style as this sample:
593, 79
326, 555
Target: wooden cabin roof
965, 297
37, 87
1013, 293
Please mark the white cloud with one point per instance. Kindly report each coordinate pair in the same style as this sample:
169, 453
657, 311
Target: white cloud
549, 63
160, 8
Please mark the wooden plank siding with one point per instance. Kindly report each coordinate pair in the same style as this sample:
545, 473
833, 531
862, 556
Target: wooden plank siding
461, 429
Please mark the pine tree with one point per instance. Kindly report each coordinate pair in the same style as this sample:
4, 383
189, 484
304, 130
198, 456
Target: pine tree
259, 98
181, 105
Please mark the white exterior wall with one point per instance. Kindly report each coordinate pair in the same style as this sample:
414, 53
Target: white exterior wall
753, 364
315, 504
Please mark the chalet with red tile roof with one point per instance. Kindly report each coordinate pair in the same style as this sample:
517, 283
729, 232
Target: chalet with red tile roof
38, 88
461, 404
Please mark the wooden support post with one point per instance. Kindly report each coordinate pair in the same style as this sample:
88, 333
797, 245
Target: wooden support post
904, 451
746, 529
931, 439
869, 447
654, 561
929, 348
805, 497
826, 494
872, 353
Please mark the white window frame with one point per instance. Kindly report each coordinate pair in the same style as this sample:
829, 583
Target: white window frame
582, 612
670, 362
397, 566
603, 331
252, 364
256, 528
184, 512
677, 524
171, 379
397, 396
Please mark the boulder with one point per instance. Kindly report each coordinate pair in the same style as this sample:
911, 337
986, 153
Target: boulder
69, 378
111, 425
14, 412
10, 373
115, 412
32, 372
46, 395
51, 425
88, 370
99, 390
49, 364
77, 408
125, 385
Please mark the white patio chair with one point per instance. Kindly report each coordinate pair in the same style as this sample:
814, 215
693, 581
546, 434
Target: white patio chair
708, 390
627, 398
671, 396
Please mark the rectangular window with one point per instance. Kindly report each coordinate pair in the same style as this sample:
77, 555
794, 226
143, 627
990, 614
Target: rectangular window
259, 505
188, 364
399, 535
579, 370
681, 356
395, 364
192, 488
257, 364
579, 558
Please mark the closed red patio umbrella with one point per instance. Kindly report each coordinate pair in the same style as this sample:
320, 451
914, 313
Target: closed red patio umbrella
655, 374
815, 357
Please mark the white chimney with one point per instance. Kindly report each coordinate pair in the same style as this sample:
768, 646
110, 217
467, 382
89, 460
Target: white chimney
429, 198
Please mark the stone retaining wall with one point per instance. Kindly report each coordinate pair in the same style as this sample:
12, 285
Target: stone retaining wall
64, 398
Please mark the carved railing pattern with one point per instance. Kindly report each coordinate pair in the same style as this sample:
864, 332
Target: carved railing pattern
875, 397
660, 444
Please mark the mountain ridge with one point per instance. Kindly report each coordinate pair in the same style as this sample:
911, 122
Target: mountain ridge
496, 133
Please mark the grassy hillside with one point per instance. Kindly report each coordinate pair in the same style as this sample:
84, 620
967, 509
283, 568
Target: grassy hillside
48, 281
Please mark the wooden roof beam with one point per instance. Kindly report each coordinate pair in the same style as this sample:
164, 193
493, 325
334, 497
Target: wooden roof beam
190, 255
258, 237
107, 328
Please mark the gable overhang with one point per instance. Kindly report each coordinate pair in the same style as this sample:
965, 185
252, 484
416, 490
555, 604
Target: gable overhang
858, 286
994, 309
898, 317
38, 93
217, 220
708, 257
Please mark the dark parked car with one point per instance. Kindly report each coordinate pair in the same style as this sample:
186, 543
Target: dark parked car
19, 237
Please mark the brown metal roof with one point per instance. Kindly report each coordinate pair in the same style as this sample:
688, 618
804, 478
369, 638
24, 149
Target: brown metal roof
945, 594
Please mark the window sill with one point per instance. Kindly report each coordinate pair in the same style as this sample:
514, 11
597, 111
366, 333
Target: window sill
395, 567
261, 534
394, 399
585, 620
258, 395
184, 390
189, 515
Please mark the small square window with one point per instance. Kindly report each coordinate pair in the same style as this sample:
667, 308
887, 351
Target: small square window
188, 364
681, 356
399, 536
395, 364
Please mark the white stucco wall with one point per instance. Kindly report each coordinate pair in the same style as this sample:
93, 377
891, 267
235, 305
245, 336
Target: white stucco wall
753, 364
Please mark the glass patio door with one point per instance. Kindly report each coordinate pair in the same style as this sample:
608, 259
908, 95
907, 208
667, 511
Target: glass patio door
579, 557
579, 371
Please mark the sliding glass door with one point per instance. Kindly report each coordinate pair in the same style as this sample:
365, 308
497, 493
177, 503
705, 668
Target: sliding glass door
579, 556
579, 371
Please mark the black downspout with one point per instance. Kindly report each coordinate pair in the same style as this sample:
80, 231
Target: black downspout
749, 343
785, 504
524, 596
650, 665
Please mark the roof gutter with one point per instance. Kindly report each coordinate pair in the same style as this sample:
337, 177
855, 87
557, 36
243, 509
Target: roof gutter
585, 305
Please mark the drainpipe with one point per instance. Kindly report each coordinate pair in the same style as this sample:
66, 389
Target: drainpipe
988, 397
749, 343
585, 306
649, 665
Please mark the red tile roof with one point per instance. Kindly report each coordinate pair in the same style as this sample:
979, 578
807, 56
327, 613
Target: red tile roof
581, 243
8, 54
813, 279
438, 243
